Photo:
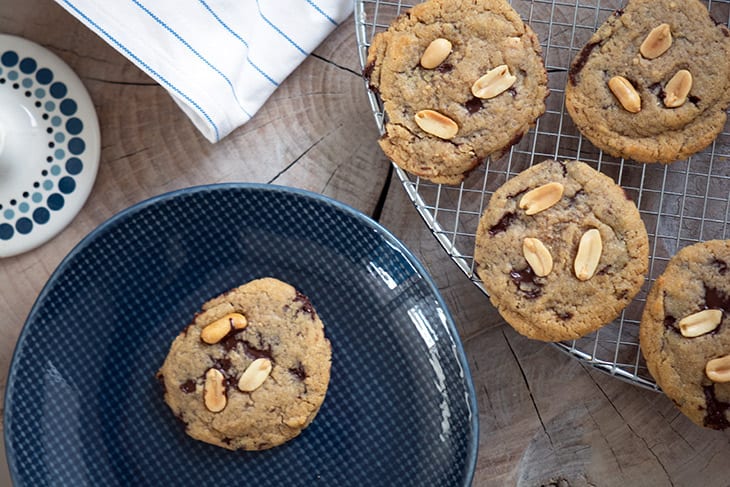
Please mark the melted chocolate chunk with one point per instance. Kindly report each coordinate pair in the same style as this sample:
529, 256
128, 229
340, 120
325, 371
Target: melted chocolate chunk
721, 266
618, 13
161, 379
564, 315
694, 99
716, 299
564, 168
227, 441
230, 341
473, 105
502, 224
254, 352
658, 90
526, 277
444, 68
306, 304
670, 323
580, 62
223, 364
188, 387
512, 92
715, 417
368, 71
299, 372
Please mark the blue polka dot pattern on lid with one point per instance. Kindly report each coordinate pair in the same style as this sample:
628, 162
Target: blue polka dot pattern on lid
44, 76
58, 90
36, 197
55, 170
55, 202
76, 146
41, 215
59, 137
68, 107
27, 83
9, 58
24, 225
23, 207
67, 185
74, 165
28, 65
59, 154
50, 106
74, 126
6, 231
56, 120
9, 214
40, 93
12, 75
48, 185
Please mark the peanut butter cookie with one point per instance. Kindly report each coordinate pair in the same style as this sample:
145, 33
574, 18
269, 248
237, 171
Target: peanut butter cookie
252, 369
460, 81
653, 83
561, 250
685, 332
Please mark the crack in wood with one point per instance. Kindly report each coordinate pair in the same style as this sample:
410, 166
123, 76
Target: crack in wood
298, 158
631, 429
328, 61
529, 390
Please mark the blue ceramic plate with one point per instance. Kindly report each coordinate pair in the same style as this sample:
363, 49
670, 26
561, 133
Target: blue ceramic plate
83, 407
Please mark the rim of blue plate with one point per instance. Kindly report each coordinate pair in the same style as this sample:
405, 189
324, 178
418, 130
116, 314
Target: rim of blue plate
473, 446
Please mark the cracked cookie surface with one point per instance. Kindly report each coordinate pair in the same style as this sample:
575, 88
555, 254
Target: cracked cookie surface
557, 305
484, 35
697, 278
282, 327
656, 133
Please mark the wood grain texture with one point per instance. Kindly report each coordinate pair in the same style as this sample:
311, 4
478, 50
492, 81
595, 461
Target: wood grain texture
545, 419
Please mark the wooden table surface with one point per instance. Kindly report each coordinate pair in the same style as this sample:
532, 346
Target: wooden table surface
545, 418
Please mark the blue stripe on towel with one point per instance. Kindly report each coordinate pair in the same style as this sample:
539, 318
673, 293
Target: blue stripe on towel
279, 30
185, 43
234, 34
324, 14
148, 68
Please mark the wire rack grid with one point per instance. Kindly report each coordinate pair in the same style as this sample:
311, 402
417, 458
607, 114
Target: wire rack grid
681, 203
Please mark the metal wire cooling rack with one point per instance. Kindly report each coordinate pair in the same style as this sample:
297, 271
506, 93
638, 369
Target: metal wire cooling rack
681, 203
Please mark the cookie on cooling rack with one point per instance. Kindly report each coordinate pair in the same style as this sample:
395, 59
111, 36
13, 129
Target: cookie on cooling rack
652, 84
252, 370
460, 80
561, 250
685, 332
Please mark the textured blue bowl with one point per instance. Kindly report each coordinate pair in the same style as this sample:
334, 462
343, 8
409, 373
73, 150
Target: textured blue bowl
83, 407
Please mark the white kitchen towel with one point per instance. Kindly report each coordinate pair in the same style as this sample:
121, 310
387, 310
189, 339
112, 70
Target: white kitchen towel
219, 59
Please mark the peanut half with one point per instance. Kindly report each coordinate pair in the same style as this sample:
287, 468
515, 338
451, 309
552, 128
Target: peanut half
216, 331
496, 81
718, 369
538, 256
436, 53
700, 323
541, 198
215, 391
255, 375
436, 124
657, 42
588, 255
625, 93
677, 89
